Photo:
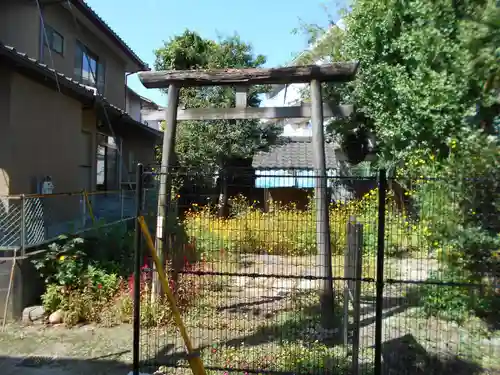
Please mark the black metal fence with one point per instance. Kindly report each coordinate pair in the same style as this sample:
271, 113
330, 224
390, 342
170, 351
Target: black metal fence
414, 280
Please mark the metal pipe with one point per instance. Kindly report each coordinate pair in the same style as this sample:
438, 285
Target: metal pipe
23, 225
137, 273
382, 188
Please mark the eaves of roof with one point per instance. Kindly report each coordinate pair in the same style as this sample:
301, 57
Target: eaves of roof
49, 77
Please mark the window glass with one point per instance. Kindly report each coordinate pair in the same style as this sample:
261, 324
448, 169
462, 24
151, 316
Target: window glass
54, 40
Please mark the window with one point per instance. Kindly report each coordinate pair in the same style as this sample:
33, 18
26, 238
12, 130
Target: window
89, 70
107, 163
53, 40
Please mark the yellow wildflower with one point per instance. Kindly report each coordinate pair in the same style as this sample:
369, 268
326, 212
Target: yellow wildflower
62, 257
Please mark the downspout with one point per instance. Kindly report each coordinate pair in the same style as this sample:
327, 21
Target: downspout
126, 88
121, 167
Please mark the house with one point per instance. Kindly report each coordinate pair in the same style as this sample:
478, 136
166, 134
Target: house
138, 107
62, 107
62, 118
286, 173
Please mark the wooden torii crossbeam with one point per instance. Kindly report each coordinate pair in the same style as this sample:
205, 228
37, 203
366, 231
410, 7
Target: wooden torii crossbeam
241, 79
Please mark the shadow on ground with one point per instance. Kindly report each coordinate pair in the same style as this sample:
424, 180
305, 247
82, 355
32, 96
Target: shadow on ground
406, 356
38, 365
401, 356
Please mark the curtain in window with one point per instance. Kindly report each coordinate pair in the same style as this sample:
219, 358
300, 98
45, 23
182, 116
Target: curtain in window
101, 70
78, 62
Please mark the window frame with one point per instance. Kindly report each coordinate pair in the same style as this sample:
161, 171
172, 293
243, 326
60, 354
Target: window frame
85, 55
48, 39
107, 143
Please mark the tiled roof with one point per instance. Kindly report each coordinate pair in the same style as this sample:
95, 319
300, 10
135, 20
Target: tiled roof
42, 73
83, 7
294, 153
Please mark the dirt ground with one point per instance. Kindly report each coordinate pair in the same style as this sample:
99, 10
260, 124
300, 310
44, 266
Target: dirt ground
254, 312
39, 350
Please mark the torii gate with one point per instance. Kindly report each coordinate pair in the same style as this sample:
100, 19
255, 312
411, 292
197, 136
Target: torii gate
241, 79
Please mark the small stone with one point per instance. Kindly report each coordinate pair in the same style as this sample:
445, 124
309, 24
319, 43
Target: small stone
34, 315
56, 317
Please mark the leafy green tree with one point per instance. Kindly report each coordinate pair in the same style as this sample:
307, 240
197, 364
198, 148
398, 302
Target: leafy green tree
212, 146
428, 88
425, 67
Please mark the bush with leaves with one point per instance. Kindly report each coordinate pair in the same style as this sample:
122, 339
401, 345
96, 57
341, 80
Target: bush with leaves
460, 209
88, 285
71, 276
213, 146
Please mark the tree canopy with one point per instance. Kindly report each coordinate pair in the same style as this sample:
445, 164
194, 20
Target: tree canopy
428, 70
428, 88
213, 144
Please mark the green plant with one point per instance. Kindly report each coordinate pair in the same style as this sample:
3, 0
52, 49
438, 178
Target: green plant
112, 248
53, 297
285, 230
62, 262
458, 303
239, 205
455, 303
215, 145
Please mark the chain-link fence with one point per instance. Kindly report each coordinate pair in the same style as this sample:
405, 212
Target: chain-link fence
414, 268
31, 220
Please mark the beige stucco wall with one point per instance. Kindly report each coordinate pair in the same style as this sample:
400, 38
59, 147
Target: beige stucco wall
46, 133
141, 147
27, 39
63, 22
20, 26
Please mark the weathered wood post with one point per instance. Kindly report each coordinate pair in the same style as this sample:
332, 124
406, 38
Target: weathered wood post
322, 207
165, 191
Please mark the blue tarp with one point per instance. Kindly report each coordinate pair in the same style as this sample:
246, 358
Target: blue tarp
274, 179
302, 179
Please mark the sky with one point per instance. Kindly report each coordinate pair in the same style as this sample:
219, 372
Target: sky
267, 24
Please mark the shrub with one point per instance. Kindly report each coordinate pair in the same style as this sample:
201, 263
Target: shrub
86, 289
461, 302
449, 302
459, 209
285, 357
285, 230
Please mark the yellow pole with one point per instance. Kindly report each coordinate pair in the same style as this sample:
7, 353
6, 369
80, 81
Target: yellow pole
89, 205
194, 357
